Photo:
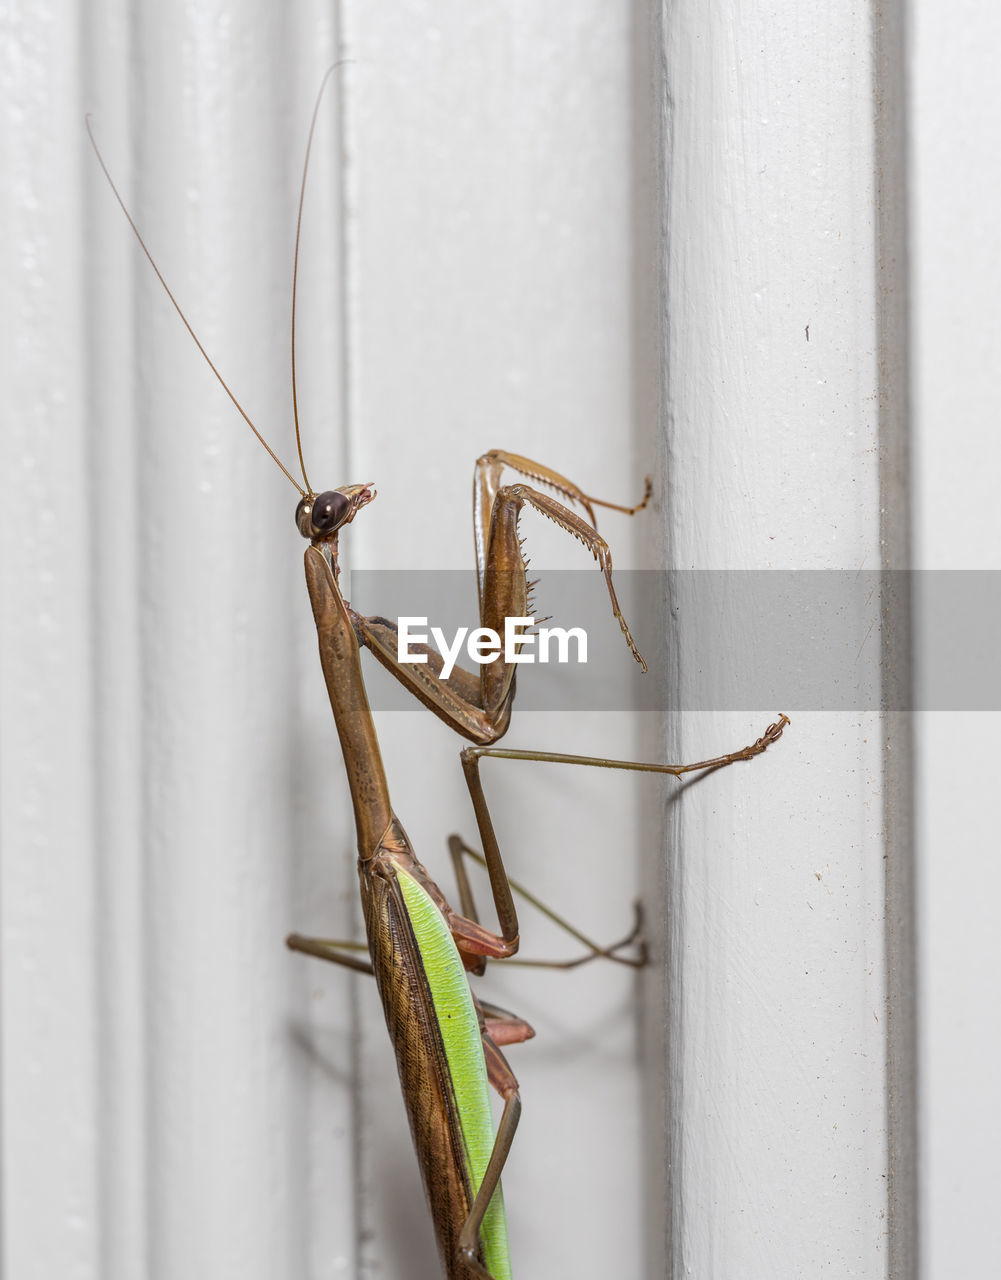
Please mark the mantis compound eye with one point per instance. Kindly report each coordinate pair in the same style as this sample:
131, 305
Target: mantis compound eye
330, 510
324, 516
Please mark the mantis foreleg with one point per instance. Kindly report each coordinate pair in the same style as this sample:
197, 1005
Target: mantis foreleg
479, 705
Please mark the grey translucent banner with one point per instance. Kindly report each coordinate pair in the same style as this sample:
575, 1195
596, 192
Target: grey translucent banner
753, 641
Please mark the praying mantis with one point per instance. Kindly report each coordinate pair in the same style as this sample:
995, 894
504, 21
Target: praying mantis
448, 1043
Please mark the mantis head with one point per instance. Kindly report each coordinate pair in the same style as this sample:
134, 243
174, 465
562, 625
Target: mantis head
320, 517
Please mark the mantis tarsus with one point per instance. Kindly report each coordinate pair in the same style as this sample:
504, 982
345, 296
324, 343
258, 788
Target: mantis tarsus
447, 1042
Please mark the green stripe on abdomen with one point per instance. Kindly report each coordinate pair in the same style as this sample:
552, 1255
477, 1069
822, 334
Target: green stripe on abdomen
460, 1033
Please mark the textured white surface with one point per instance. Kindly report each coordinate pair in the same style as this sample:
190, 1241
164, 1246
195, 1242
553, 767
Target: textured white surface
50, 970
775, 1005
180, 1096
168, 1107
957, 401
490, 250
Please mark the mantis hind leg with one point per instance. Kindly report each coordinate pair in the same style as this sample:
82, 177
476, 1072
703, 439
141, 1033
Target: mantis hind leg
502, 887
503, 1079
460, 851
335, 950
501, 1027
466, 928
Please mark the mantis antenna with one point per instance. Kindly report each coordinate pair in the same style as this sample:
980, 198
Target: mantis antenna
184, 319
295, 262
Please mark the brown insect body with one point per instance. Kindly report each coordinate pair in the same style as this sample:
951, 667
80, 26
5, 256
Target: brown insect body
479, 708
383, 847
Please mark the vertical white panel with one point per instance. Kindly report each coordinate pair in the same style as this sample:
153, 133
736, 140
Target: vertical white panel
120, 1169
179, 1093
176, 1089
48, 962
490, 250
248, 1070
775, 996
957, 347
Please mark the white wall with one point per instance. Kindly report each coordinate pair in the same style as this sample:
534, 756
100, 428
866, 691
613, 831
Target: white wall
482, 268
775, 348
181, 1096
956, 334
